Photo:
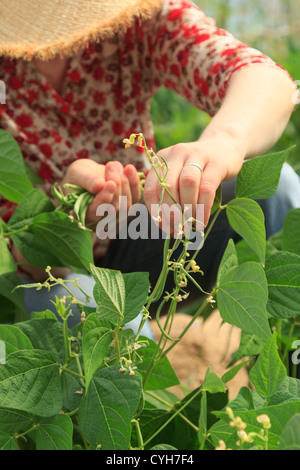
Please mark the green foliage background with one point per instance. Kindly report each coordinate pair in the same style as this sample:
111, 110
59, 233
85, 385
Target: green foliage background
267, 25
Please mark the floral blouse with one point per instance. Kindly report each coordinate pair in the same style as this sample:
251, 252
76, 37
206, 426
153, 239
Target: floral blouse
108, 88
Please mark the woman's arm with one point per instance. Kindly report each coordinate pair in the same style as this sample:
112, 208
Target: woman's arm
256, 109
253, 115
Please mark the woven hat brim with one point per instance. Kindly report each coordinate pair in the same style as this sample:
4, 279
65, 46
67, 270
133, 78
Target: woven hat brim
61, 27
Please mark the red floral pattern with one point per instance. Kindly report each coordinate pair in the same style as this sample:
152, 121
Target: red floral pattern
108, 87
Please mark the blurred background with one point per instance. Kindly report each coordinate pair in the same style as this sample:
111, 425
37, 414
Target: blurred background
273, 27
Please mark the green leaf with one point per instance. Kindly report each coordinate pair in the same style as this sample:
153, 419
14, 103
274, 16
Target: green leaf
71, 245
119, 295
34, 250
217, 201
268, 371
247, 219
162, 375
45, 334
228, 262
136, 293
161, 399
32, 176
291, 232
12, 421
31, 246
14, 339
95, 344
170, 428
212, 383
7, 442
8, 282
109, 294
242, 298
288, 391
276, 240
7, 264
54, 433
229, 375
250, 345
279, 416
202, 420
70, 386
29, 381
45, 314
244, 252
151, 420
290, 437
283, 276
14, 183
107, 409
243, 400
34, 203
259, 177
221, 431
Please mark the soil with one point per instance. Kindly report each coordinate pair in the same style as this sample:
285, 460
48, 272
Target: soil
209, 343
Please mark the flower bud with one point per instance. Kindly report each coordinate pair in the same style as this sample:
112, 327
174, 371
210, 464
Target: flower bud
221, 446
264, 420
244, 437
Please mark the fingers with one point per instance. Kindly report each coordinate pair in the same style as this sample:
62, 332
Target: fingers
113, 172
168, 216
134, 182
210, 181
127, 182
87, 174
189, 183
105, 196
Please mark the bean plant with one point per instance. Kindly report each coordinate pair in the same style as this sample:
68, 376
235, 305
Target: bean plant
101, 386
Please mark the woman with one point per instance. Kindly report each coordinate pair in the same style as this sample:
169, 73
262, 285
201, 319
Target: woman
80, 77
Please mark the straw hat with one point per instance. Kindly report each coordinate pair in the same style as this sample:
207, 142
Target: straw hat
45, 28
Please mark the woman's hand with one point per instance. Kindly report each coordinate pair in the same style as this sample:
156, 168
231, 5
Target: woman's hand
253, 115
219, 158
108, 182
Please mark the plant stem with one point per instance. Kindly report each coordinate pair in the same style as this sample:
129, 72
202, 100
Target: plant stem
168, 324
164, 402
79, 369
195, 282
15, 232
116, 338
71, 372
136, 424
33, 428
221, 208
172, 417
85, 444
72, 413
197, 314
169, 405
66, 340
267, 440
